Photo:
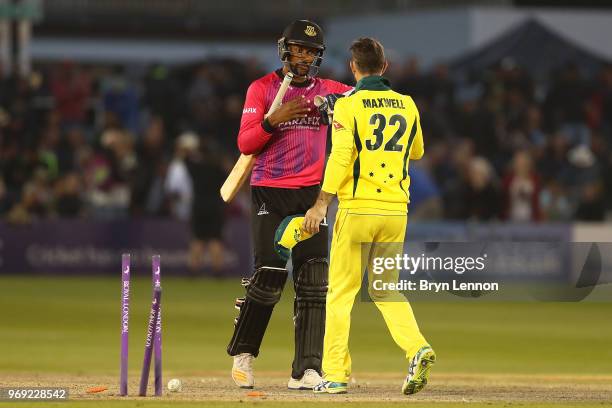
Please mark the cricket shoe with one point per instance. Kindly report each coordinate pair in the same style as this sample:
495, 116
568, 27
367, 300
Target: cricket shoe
330, 387
242, 371
418, 370
309, 380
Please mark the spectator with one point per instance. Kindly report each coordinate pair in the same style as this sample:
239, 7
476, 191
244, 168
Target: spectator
147, 183
179, 185
71, 89
476, 122
162, 96
477, 198
69, 203
121, 98
591, 206
68, 149
441, 90
565, 105
46, 122
207, 211
533, 126
34, 202
425, 200
451, 174
105, 182
410, 80
555, 203
203, 104
521, 191
554, 163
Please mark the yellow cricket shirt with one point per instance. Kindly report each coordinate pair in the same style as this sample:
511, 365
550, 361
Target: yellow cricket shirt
375, 133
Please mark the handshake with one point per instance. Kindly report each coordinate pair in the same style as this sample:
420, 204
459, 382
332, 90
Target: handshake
325, 104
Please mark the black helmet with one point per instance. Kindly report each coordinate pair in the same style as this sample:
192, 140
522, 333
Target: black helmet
306, 33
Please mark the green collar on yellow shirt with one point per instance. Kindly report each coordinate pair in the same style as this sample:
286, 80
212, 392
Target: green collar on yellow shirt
373, 83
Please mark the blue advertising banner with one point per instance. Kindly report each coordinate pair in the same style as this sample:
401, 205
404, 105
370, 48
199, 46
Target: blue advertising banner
83, 247
80, 246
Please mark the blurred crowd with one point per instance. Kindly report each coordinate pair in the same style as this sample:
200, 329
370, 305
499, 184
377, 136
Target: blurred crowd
110, 142
105, 142
502, 146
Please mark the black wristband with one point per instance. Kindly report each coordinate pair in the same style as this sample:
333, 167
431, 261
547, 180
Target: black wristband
267, 126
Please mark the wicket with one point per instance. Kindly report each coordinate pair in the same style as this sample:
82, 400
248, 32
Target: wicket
151, 334
125, 322
153, 342
157, 346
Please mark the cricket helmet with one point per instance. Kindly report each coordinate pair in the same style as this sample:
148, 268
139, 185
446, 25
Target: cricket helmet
306, 33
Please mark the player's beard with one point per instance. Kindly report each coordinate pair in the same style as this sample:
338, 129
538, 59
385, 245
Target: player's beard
300, 69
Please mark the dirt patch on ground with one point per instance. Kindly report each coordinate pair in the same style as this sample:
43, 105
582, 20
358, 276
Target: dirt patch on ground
217, 386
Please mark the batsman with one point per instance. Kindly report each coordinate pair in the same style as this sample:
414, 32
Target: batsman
290, 144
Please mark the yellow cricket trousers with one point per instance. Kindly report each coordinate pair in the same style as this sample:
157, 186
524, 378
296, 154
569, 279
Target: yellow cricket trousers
347, 264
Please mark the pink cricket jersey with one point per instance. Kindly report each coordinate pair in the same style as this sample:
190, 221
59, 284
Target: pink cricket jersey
292, 156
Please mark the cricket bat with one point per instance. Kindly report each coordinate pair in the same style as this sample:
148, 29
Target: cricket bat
244, 165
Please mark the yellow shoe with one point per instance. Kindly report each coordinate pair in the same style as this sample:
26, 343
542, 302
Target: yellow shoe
329, 387
418, 370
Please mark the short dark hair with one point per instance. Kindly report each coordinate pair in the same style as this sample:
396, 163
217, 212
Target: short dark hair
368, 55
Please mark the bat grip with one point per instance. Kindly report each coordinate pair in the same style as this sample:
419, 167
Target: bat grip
278, 99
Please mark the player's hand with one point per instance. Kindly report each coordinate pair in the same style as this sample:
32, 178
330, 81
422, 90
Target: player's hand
313, 218
326, 107
294, 109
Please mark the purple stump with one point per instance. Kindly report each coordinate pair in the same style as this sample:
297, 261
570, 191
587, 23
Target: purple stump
157, 342
125, 321
146, 364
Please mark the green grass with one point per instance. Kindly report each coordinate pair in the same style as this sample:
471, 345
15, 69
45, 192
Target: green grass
71, 326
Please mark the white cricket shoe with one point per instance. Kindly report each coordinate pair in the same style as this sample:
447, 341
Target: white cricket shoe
308, 381
242, 371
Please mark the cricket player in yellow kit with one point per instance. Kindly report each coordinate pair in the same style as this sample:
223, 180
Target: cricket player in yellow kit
376, 132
